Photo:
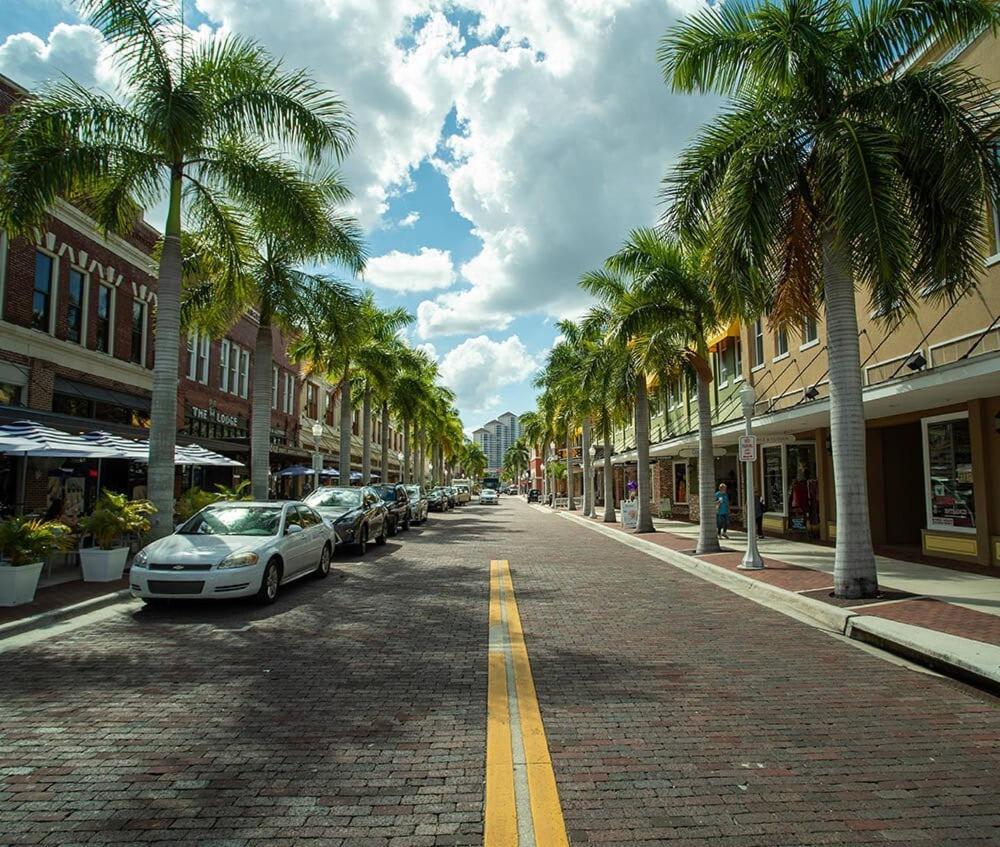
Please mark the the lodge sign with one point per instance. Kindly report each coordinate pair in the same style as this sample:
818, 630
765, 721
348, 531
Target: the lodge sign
213, 414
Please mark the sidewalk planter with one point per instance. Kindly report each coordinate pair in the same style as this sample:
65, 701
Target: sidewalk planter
103, 565
18, 583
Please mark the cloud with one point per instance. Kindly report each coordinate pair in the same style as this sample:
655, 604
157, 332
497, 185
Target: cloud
479, 366
73, 50
411, 272
427, 348
410, 220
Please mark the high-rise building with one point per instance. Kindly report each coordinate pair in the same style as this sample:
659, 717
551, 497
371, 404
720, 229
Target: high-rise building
495, 437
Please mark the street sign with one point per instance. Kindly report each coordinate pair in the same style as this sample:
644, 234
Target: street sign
748, 448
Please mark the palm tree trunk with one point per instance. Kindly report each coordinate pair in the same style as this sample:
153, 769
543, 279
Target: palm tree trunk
644, 518
609, 478
708, 532
405, 472
569, 467
588, 471
260, 414
166, 351
384, 436
854, 571
366, 437
346, 413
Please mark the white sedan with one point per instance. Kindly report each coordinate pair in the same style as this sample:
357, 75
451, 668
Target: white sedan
488, 497
235, 549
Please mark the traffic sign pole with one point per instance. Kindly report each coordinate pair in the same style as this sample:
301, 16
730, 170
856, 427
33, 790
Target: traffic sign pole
752, 560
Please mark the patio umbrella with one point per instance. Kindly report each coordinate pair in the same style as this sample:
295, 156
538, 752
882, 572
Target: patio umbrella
194, 454
27, 438
296, 470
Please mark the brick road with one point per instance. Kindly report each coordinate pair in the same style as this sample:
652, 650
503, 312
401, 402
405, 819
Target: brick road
353, 712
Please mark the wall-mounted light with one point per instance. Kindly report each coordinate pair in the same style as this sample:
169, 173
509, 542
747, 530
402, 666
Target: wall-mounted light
812, 392
916, 362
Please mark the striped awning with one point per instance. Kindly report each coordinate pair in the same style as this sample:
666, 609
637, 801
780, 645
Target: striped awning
196, 455
127, 448
27, 438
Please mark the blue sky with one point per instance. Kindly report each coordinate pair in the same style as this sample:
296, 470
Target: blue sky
503, 149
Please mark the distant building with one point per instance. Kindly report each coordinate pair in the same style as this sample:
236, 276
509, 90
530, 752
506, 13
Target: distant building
496, 436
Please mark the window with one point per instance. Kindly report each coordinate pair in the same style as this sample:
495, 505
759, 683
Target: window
224, 365
330, 408
758, 343
774, 479
809, 332
274, 387
288, 404
198, 348
780, 343
139, 332
674, 393
948, 473
244, 374
725, 364
738, 357
105, 318
312, 401
75, 305
41, 298
233, 361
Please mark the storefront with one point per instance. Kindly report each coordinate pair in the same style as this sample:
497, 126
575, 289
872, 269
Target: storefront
790, 484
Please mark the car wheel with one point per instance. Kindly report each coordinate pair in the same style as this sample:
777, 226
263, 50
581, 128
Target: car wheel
393, 529
406, 522
323, 568
383, 536
362, 545
270, 583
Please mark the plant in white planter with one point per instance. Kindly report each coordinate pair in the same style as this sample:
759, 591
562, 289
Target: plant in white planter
114, 517
24, 544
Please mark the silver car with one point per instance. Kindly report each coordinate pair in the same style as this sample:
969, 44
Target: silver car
235, 549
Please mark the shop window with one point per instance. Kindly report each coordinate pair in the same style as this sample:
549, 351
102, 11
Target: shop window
105, 318
758, 342
76, 298
780, 343
774, 479
948, 473
138, 351
42, 295
70, 404
802, 489
10, 394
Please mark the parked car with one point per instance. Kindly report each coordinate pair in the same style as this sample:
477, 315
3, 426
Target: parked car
452, 495
534, 495
358, 515
235, 549
511, 489
419, 505
488, 497
437, 500
463, 492
397, 502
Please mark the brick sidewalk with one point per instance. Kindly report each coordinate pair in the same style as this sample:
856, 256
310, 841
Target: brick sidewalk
59, 596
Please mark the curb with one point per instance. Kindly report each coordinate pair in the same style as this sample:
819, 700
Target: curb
64, 612
970, 661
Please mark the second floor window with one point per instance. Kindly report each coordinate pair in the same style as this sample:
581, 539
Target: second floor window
138, 332
274, 387
198, 348
288, 406
758, 342
331, 407
41, 297
781, 342
810, 331
75, 306
105, 318
312, 401
738, 349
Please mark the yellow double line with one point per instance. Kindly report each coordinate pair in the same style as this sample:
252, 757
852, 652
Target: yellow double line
522, 801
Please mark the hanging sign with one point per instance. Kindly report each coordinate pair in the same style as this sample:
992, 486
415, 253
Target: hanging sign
748, 448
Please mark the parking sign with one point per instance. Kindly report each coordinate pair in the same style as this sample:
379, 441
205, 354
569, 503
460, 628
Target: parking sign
748, 448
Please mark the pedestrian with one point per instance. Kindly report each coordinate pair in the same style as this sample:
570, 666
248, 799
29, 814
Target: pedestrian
759, 508
722, 512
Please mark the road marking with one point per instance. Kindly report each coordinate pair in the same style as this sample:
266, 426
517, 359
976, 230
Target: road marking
522, 800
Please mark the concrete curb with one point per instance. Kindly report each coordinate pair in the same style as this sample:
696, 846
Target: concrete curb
970, 661
64, 612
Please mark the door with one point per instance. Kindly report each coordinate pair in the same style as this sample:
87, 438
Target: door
296, 544
374, 512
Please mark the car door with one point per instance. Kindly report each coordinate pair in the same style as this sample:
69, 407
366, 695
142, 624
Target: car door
318, 533
374, 512
296, 543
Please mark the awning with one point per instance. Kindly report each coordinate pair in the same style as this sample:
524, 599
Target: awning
721, 333
27, 438
101, 395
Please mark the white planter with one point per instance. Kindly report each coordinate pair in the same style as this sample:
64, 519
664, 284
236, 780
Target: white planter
103, 565
18, 584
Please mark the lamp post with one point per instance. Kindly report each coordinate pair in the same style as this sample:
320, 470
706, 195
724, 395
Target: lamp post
317, 432
552, 464
751, 561
545, 481
591, 481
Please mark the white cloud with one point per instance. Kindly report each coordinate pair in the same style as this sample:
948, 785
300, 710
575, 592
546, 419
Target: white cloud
73, 50
478, 367
427, 348
411, 272
410, 220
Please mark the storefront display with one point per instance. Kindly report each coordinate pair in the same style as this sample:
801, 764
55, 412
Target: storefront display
948, 451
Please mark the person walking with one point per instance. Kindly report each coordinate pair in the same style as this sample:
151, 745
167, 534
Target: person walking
722, 511
759, 509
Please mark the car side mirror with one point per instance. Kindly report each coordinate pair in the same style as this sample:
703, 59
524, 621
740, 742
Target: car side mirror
293, 528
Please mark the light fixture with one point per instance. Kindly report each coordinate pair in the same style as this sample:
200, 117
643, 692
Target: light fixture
916, 362
812, 392
592, 450
317, 430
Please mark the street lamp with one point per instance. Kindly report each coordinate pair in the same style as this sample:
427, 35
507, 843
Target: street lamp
591, 482
317, 431
748, 454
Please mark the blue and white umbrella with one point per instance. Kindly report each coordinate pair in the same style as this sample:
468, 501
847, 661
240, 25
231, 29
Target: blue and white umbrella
27, 438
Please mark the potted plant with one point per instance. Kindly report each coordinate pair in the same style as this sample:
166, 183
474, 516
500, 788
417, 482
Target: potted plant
24, 544
114, 517
192, 501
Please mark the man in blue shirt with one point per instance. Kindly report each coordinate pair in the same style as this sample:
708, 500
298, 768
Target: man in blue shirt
722, 512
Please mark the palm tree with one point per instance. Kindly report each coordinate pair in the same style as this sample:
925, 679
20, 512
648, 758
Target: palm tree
210, 125
410, 394
474, 460
837, 165
308, 306
515, 460
674, 298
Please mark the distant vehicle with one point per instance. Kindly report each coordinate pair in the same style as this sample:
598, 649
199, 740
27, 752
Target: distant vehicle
488, 497
463, 490
492, 482
452, 496
437, 500
511, 489
419, 505
534, 495
358, 514
235, 549
397, 501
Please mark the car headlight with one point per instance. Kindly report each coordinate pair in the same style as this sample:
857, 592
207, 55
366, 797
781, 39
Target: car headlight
141, 558
243, 559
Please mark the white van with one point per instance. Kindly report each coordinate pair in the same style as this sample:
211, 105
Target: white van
463, 487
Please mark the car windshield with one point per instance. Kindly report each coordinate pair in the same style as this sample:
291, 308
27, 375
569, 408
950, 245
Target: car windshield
387, 494
327, 497
234, 520
413, 490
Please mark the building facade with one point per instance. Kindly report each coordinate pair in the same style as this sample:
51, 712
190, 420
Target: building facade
495, 437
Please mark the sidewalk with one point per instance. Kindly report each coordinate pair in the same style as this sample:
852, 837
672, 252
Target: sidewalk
54, 599
948, 619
